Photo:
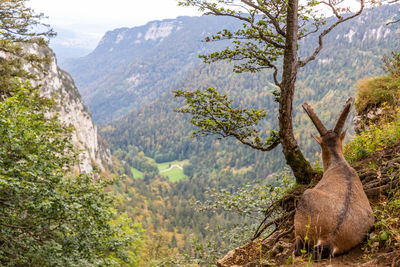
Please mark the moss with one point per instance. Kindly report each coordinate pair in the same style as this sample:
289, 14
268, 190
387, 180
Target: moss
302, 169
377, 92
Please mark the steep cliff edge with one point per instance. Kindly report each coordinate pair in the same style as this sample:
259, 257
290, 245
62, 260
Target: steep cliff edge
375, 155
56, 83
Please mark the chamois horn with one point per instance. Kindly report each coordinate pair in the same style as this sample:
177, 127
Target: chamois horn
314, 118
343, 116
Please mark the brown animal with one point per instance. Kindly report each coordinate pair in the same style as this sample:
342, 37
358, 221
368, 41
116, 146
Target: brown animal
335, 215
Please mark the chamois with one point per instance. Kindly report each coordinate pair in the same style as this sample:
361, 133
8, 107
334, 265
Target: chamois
335, 215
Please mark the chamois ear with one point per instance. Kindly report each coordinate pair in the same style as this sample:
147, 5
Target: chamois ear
343, 135
317, 138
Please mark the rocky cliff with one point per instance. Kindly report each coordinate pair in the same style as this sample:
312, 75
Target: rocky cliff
71, 110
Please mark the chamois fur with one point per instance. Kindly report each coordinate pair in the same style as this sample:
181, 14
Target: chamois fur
335, 215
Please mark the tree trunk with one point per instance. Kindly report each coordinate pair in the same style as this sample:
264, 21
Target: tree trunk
301, 168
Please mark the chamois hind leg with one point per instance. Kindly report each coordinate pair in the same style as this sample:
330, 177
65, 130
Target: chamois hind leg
322, 250
298, 246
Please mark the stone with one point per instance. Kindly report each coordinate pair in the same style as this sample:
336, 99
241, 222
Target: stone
71, 111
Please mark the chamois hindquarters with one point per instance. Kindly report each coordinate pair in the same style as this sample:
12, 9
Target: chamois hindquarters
335, 214
315, 218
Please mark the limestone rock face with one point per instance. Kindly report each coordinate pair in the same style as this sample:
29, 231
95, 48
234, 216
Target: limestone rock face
71, 111
362, 122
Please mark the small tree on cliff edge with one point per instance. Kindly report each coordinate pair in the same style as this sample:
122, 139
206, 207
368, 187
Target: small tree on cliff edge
19, 25
271, 30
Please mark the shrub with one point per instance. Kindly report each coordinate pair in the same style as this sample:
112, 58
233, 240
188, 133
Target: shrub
373, 140
50, 217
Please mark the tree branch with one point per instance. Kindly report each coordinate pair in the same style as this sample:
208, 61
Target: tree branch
392, 22
302, 63
216, 12
275, 143
269, 15
13, 226
332, 6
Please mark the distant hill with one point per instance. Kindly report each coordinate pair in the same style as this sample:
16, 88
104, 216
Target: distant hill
131, 67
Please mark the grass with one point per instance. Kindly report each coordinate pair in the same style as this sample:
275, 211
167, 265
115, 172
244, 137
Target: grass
386, 232
175, 173
137, 174
164, 166
373, 92
383, 92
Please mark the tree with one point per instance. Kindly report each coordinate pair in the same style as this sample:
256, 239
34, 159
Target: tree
19, 25
271, 31
48, 216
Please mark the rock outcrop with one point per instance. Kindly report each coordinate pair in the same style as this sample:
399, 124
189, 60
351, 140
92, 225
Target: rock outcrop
71, 111
362, 122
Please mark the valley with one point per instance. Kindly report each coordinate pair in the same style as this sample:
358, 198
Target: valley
128, 81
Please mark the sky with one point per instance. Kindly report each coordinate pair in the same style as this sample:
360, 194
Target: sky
84, 22
106, 14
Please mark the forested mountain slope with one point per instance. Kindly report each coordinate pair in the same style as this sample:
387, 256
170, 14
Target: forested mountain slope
133, 66
351, 52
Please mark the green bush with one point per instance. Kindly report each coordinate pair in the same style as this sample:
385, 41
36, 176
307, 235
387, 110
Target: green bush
386, 233
372, 140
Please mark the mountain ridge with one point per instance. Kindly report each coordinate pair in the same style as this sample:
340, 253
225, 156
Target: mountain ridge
133, 66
